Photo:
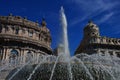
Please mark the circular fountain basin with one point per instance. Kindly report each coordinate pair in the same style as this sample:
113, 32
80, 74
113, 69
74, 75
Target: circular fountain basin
94, 71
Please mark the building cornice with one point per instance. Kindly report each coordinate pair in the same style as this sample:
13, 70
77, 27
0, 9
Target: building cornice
104, 40
17, 20
9, 37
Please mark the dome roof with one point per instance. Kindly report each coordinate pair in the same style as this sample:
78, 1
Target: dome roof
90, 26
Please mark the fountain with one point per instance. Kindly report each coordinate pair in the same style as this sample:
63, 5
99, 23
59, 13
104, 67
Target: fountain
64, 29
64, 67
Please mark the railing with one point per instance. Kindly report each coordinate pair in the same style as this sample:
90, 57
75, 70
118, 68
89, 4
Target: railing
105, 40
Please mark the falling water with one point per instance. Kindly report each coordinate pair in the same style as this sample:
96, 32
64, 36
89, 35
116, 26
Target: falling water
85, 67
33, 72
54, 67
19, 69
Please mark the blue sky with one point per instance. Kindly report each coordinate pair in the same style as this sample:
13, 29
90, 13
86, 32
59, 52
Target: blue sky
105, 13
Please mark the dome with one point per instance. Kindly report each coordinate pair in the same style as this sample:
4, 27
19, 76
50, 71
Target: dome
91, 30
91, 25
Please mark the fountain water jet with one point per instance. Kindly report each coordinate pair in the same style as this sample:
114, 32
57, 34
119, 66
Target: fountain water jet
64, 29
65, 41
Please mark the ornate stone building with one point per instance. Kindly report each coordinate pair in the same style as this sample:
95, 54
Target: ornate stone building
20, 37
92, 42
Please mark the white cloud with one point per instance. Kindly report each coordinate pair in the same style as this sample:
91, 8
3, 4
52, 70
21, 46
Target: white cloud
92, 8
105, 17
94, 5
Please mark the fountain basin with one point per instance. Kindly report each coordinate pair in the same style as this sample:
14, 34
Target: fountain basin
43, 72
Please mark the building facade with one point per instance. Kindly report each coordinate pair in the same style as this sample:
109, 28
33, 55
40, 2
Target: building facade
20, 37
92, 42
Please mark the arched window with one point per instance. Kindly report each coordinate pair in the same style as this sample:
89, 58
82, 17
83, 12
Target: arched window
13, 56
29, 56
14, 53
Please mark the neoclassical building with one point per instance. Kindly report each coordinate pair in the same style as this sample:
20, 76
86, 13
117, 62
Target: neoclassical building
20, 37
92, 42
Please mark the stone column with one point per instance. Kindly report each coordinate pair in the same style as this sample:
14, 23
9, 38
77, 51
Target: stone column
19, 56
3, 51
7, 53
10, 30
23, 56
